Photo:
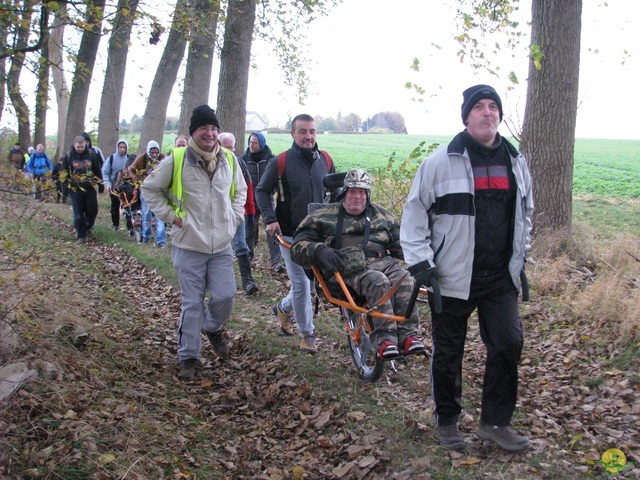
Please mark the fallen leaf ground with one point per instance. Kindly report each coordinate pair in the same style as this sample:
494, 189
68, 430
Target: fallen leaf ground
110, 405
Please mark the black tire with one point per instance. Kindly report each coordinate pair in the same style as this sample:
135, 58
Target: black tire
363, 353
137, 227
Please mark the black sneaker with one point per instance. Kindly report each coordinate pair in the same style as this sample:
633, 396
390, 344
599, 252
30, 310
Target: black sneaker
450, 437
187, 368
251, 288
219, 344
504, 437
279, 268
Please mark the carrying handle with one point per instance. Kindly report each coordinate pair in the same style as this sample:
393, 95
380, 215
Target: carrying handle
437, 298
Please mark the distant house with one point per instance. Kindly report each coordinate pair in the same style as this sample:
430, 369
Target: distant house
254, 122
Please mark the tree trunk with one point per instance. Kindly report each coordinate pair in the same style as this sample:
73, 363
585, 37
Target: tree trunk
197, 78
57, 71
42, 95
85, 60
3, 70
13, 77
234, 69
548, 132
111, 100
155, 111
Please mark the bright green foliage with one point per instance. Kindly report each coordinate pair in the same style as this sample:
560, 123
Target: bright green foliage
391, 184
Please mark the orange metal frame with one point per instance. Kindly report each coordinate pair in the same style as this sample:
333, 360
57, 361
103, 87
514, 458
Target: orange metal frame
349, 303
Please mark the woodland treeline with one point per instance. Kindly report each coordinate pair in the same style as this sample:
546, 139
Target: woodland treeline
35, 39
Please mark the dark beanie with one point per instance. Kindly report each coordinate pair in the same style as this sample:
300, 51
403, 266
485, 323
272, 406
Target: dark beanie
86, 137
260, 137
473, 95
202, 115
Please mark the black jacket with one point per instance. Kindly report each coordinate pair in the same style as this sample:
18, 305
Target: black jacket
302, 185
257, 163
83, 171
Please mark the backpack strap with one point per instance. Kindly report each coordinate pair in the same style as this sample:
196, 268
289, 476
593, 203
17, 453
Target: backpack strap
282, 162
328, 159
337, 240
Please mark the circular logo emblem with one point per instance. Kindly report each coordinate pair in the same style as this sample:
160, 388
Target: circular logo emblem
613, 460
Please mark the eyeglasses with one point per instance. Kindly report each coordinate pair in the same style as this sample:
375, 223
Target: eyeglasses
207, 128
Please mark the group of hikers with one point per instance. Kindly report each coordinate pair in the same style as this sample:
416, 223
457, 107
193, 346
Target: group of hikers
466, 223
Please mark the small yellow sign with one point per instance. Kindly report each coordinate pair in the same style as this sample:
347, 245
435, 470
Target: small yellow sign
614, 461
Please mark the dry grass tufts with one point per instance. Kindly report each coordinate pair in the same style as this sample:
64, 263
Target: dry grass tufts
595, 280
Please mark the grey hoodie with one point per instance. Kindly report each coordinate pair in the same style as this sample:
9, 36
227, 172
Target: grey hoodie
114, 164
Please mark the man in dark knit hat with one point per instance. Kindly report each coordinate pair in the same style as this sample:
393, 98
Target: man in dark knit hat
467, 222
200, 190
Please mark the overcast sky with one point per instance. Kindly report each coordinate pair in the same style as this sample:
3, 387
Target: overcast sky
360, 57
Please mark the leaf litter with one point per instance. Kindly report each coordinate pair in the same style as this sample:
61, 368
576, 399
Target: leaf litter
114, 408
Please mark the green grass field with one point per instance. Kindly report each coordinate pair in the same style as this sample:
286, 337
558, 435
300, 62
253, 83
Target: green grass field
603, 168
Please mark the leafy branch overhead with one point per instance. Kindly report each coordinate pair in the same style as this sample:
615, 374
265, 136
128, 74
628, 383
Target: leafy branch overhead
479, 20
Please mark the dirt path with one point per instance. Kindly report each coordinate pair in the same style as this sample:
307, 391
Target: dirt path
114, 408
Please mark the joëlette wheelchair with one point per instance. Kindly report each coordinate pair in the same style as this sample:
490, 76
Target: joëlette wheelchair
130, 209
355, 314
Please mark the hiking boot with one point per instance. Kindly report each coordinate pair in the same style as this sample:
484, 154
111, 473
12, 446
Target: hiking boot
279, 268
388, 350
308, 344
505, 437
219, 344
187, 368
450, 437
81, 240
285, 320
162, 245
90, 234
413, 346
250, 288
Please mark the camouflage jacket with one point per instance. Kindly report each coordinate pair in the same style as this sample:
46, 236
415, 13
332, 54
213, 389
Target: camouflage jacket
320, 228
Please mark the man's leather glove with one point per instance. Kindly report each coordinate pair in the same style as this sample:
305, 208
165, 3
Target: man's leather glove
423, 273
330, 258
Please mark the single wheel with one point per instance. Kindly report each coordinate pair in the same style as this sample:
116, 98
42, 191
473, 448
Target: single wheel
363, 352
137, 227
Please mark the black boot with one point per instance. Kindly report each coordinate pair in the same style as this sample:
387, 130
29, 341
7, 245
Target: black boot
248, 285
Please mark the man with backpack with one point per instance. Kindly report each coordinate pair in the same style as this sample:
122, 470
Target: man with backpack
296, 177
200, 190
110, 169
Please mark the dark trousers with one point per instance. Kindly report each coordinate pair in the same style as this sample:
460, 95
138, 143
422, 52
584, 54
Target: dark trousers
502, 333
85, 210
115, 210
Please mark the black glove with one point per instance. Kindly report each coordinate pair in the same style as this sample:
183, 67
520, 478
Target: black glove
330, 258
424, 273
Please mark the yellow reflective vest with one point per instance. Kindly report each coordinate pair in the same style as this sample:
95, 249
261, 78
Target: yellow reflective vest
175, 191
